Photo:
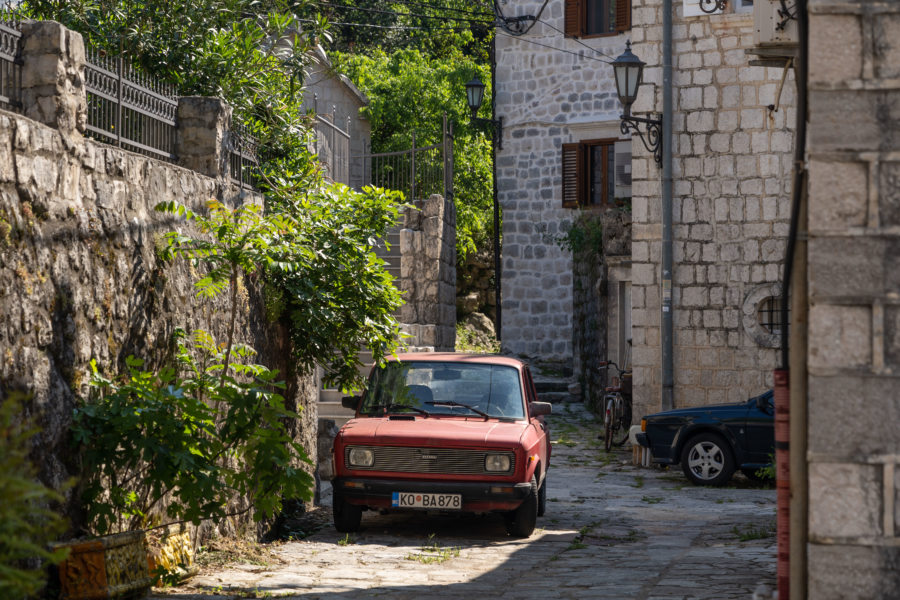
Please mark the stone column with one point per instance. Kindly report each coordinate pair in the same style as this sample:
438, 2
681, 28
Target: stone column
53, 90
200, 141
428, 273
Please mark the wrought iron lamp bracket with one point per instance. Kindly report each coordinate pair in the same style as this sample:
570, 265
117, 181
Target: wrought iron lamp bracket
714, 5
497, 125
653, 140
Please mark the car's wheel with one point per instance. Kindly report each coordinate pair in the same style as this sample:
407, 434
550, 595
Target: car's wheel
521, 522
346, 516
706, 459
542, 498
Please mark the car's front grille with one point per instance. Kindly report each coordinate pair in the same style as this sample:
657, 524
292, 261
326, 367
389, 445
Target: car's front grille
443, 461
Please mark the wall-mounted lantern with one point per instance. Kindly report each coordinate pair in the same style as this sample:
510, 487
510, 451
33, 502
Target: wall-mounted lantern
629, 72
475, 96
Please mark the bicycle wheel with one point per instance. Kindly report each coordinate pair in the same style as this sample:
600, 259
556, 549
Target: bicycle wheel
608, 428
623, 425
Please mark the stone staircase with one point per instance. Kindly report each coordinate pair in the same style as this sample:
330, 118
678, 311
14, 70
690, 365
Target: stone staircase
330, 407
553, 384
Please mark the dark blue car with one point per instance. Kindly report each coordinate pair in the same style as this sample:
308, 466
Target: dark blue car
711, 442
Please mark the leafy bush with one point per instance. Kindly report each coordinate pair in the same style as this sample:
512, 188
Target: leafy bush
27, 523
185, 441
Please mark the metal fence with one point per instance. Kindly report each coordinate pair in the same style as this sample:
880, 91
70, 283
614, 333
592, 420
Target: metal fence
10, 62
417, 172
243, 161
127, 108
332, 145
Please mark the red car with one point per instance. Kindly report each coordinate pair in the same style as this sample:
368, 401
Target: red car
444, 432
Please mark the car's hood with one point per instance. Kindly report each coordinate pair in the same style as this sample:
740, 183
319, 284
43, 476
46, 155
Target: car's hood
433, 431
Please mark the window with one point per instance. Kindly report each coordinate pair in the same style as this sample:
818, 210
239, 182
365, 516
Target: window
588, 18
596, 172
768, 313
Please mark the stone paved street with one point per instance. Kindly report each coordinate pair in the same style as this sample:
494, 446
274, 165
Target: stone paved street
612, 531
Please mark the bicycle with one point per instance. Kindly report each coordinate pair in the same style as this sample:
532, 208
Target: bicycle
617, 404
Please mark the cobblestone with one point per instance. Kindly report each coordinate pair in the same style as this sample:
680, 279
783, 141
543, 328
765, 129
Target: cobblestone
612, 531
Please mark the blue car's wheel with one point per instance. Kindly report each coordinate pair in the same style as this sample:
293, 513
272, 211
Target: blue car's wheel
706, 459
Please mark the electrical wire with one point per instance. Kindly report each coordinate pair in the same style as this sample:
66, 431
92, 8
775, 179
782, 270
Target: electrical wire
576, 40
521, 39
506, 21
484, 13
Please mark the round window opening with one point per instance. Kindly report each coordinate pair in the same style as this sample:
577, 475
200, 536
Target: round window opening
762, 315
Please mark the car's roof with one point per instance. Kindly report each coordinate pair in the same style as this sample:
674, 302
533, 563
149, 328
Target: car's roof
458, 357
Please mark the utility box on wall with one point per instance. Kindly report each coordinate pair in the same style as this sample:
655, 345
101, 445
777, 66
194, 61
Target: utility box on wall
775, 23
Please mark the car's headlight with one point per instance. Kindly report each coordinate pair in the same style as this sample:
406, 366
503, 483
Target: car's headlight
361, 457
496, 462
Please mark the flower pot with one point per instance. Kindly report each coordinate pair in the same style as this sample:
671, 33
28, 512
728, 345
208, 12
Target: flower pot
112, 566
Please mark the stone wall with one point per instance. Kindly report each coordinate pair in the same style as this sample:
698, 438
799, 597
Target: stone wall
854, 315
79, 274
731, 207
547, 96
428, 274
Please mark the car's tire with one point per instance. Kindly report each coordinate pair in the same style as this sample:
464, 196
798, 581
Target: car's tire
542, 498
521, 522
706, 459
347, 516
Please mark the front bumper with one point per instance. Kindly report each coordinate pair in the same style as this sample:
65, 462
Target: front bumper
642, 439
477, 496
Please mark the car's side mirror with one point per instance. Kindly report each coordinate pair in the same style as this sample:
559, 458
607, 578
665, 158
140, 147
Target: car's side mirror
540, 408
762, 404
350, 402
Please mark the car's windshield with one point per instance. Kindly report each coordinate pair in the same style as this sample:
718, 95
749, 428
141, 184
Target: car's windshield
450, 388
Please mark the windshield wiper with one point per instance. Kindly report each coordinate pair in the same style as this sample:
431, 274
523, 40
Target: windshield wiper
394, 405
461, 405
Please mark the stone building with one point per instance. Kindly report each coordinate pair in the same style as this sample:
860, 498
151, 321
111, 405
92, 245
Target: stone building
845, 391
732, 161
343, 133
563, 162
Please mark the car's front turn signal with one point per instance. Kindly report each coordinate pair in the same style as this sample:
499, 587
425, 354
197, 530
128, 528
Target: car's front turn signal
643, 424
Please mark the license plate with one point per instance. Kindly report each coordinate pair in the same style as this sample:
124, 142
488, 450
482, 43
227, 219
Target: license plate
420, 500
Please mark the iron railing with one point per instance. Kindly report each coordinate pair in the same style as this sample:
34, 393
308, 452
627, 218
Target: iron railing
243, 160
332, 144
127, 108
10, 62
417, 172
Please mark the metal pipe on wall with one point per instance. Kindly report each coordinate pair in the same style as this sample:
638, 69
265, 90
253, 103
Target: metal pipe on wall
666, 317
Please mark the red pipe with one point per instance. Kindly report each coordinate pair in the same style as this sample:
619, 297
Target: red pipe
783, 480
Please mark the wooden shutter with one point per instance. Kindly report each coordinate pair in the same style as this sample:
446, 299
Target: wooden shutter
572, 175
623, 15
573, 18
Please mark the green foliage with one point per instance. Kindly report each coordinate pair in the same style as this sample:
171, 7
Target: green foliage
409, 91
767, 473
438, 29
27, 523
472, 341
187, 440
316, 246
584, 235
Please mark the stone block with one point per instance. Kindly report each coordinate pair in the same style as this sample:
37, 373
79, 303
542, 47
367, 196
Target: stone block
854, 120
888, 194
870, 409
847, 500
840, 336
846, 266
837, 572
835, 48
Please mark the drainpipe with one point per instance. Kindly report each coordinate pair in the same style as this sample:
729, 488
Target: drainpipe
666, 334
790, 379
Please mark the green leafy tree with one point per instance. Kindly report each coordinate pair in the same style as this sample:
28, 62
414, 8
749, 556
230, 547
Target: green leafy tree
410, 92
27, 521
